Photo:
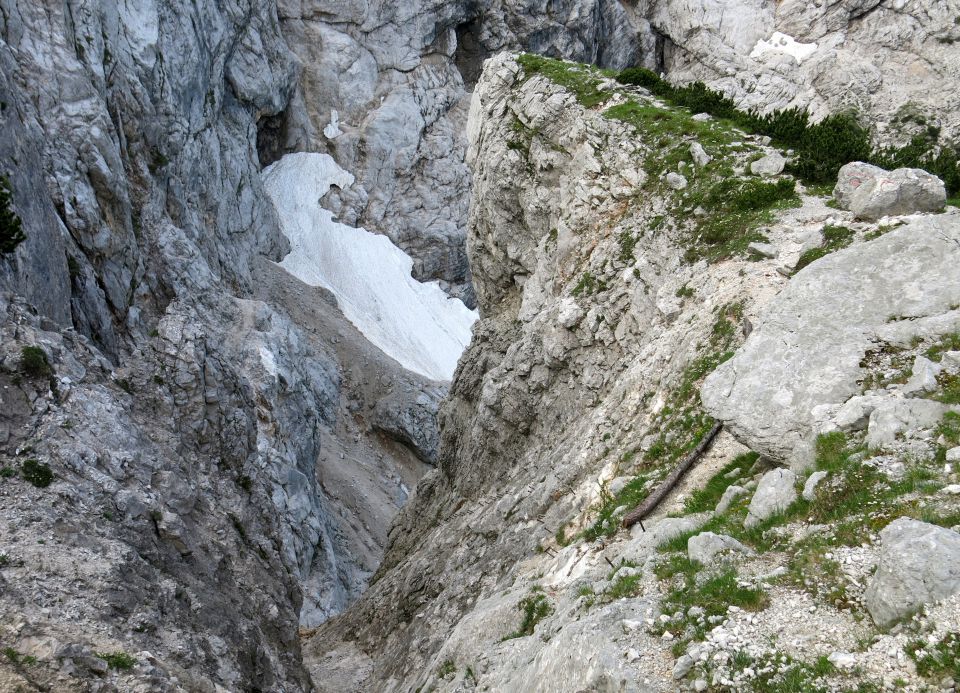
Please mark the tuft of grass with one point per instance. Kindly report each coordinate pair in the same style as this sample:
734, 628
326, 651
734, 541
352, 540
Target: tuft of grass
534, 608
835, 238
588, 284
606, 524
119, 660
581, 80
937, 659
706, 498
447, 669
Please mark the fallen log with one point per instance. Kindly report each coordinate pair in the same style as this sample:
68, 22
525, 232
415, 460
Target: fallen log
654, 499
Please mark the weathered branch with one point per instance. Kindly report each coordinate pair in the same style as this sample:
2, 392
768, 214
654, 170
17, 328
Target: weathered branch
653, 500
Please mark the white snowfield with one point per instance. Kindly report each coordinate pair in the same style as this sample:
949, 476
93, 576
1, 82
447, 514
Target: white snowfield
414, 323
782, 43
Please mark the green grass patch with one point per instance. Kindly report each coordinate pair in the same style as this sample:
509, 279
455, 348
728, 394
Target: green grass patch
534, 608
606, 524
714, 593
120, 661
834, 237
37, 473
581, 80
937, 659
706, 498
34, 362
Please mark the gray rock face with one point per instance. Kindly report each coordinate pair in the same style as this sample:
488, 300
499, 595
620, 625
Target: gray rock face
894, 417
795, 360
871, 193
774, 494
852, 55
706, 546
919, 564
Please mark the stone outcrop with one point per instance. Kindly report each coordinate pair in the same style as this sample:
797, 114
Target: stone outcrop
795, 361
774, 494
919, 565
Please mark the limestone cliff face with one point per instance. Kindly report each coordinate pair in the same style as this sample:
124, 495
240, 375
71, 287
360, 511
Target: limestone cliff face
223, 468
606, 297
582, 337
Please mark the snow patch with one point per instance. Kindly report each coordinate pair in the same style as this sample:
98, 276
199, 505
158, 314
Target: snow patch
415, 323
782, 43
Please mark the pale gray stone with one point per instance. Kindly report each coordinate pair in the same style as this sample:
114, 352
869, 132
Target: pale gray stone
731, 493
806, 348
676, 181
871, 192
919, 565
774, 494
699, 154
810, 485
770, 165
706, 546
767, 250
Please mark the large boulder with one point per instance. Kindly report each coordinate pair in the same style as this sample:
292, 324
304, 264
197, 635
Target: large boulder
871, 192
919, 564
706, 546
775, 492
806, 349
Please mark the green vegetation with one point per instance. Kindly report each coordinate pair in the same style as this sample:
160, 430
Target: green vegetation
37, 473
937, 659
534, 608
685, 292
11, 228
16, 658
950, 342
7, 472
34, 363
118, 660
712, 593
606, 524
777, 672
628, 242
581, 80
820, 148
706, 498
834, 238
735, 208
447, 669
588, 284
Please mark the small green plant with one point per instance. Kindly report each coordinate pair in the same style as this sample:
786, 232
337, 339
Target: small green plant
628, 242
121, 661
938, 658
588, 284
34, 362
447, 669
835, 238
685, 292
11, 228
534, 608
706, 498
7, 472
37, 473
4, 559
16, 658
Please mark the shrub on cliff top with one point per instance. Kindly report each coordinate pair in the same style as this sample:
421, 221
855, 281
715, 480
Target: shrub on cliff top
11, 230
820, 148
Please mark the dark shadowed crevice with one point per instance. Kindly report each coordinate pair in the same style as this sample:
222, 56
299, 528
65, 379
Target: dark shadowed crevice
470, 52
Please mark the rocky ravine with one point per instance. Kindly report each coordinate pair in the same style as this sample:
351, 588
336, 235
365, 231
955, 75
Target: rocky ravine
580, 390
